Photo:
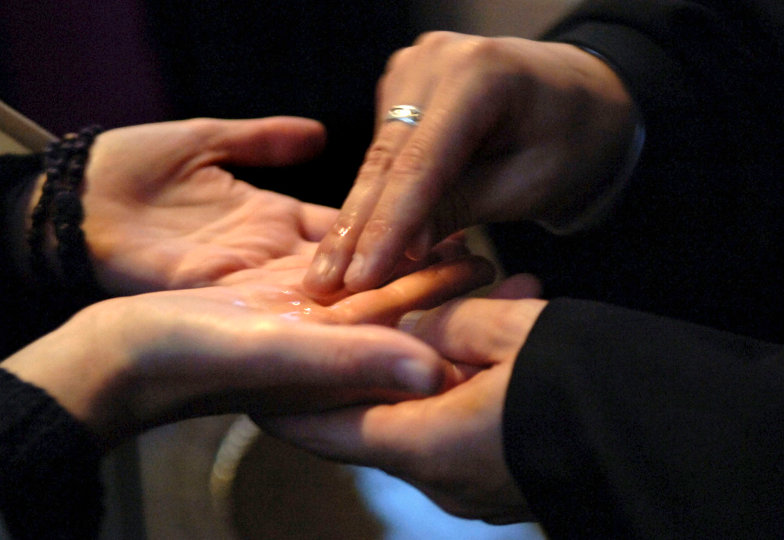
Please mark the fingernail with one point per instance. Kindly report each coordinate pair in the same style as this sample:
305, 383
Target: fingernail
421, 246
321, 273
321, 265
408, 322
354, 270
415, 376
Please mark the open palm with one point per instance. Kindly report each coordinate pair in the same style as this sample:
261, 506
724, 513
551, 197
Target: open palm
161, 213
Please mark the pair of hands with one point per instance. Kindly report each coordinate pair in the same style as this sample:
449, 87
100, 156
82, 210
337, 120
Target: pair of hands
256, 341
547, 128
512, 130
449, 445
161, 213
251, 339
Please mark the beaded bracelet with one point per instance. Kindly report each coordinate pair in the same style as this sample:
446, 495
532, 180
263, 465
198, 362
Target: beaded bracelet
60, 204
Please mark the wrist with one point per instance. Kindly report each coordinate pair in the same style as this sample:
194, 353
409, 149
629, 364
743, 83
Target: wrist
73, 367
605, 154
58, 258
600, 205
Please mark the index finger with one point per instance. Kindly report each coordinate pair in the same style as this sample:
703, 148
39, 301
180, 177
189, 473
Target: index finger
407, 81
334, 254
420, 191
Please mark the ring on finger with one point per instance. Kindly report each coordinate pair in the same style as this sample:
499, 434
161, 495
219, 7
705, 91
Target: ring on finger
408, 114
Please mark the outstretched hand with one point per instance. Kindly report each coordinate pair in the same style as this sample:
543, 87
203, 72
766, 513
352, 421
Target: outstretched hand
450, 445
162, 213
126, 364
512, 129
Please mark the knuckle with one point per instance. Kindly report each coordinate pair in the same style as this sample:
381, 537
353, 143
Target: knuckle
438, 38
200, 128
203, 133
474, 50
413, 160
400, 58
342, 227
378, 159
377, 226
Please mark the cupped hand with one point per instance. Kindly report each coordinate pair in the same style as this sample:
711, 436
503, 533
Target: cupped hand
129, 363
449, 446
512, 129
162, 213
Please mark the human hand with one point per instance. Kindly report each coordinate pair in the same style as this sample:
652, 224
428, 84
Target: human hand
161, 213
126, 364
449, 445
512, 129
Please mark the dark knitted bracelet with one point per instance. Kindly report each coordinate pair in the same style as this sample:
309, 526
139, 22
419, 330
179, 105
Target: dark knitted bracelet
60, 205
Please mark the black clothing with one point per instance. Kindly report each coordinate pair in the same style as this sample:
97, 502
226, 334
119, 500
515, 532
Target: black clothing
620, 424
49, 479
617, 424
624, 425
698, 234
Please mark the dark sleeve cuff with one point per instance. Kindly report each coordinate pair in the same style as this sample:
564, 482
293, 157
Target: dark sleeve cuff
16, 173
654, 79
49, 466
18, 309
620, 424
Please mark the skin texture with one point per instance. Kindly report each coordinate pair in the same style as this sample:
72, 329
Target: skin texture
162, 213
448, 445
127, 364
512, 129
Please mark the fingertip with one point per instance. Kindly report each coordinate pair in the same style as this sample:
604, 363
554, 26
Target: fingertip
421, 246
453, 247
324, 276
296, 125
323, 291
273, 141
419, 376
361, 274
317, 277
373, 262
296, 139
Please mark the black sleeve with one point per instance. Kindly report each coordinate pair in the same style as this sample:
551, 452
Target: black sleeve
16, 174
702, 213
49, 467
18, 302
620, 424
27, 309
49, 476
716, 60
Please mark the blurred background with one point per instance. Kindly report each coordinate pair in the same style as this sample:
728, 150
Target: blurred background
121, 62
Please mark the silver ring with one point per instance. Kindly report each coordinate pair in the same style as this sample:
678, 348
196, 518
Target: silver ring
408, 114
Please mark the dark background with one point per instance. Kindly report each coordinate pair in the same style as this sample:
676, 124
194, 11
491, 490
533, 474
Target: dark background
121, 62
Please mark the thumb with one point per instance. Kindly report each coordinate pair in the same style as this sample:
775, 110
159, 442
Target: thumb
267, 142
353, 356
